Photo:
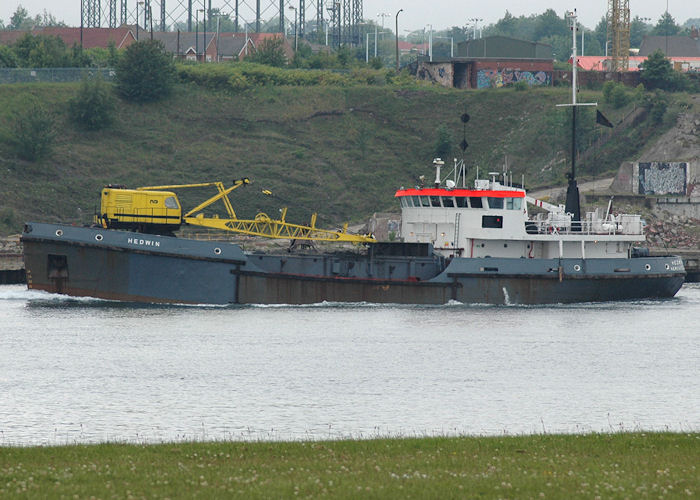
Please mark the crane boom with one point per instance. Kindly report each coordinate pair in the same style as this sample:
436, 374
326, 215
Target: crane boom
145, 209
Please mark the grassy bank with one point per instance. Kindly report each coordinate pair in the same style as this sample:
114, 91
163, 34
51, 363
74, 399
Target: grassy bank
621, 465
341, 151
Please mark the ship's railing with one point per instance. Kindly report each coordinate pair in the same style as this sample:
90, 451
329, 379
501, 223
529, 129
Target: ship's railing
622, 224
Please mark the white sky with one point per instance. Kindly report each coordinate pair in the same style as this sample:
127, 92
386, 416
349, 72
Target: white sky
416, 14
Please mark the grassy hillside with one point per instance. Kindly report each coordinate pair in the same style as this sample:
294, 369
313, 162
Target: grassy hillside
339, 151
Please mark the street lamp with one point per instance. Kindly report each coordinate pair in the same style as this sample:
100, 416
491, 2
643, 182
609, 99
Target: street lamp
291, 7
204, 31
430, 43
218, 31
196, 33
137, 19
475, 20
397, 39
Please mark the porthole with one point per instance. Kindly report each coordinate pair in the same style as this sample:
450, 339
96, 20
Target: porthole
647, 267
98, 237
59, 232
668, 267
217, 251
577, 267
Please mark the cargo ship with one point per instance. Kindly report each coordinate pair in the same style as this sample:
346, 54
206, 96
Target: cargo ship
476, 244
469, 244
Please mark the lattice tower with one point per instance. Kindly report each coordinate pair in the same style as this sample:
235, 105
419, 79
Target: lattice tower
619, 34
90, 13
343, 26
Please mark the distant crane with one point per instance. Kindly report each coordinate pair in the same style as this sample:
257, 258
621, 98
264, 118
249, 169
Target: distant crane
618, 34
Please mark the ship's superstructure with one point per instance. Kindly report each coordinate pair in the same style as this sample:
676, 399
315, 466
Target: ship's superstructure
491, 219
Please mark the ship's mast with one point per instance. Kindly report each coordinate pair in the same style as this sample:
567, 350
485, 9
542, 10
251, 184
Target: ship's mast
573, 203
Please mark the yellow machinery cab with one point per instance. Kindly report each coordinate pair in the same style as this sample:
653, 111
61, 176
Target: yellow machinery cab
142, 210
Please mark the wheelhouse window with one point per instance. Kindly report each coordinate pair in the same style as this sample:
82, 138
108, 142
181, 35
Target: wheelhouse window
475, 202
448, 201
514, 203
495, 202
461, 201
425, 201
416, 201
435, 201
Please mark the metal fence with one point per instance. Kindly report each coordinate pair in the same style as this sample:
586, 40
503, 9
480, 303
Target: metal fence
30, 75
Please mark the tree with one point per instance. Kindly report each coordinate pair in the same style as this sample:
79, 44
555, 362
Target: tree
657, 73
34, 131
42, 52
93, 107
638, 29
270, 52
145, 72
666, 26
8, 59
20, 20
601, 32
550, 24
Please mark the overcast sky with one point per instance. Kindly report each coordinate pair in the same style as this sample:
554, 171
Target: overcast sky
416, 14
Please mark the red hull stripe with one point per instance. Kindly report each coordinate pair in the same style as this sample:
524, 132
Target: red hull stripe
458, 192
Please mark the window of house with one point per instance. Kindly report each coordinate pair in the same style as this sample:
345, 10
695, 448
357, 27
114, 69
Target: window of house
461, 201
448, 201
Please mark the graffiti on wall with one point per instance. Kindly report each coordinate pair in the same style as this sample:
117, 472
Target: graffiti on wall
663, 178
494, 78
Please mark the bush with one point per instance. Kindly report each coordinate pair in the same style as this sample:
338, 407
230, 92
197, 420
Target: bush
93, 107
270, 52
657, 73
615, 94
443, 143
145, 72
521, 86
34, 131
656, 103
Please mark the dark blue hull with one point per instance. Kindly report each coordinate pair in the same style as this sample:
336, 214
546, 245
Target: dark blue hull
127, 266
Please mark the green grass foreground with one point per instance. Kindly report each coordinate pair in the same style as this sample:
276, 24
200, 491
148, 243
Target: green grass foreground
619, 465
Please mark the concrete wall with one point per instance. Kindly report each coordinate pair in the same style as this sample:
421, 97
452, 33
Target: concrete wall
485, 73
442, 73
678, 179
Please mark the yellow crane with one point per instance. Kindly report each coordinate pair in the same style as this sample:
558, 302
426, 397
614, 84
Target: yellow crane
156, 208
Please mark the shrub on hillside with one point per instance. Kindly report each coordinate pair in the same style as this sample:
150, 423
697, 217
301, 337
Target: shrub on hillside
93, 107
270, 52
657, 73
145, 72
615, 94
8, 59
34, 130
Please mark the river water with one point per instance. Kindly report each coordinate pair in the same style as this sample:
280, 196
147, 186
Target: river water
85, 370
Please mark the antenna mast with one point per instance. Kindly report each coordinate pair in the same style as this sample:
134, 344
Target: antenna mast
573, 203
